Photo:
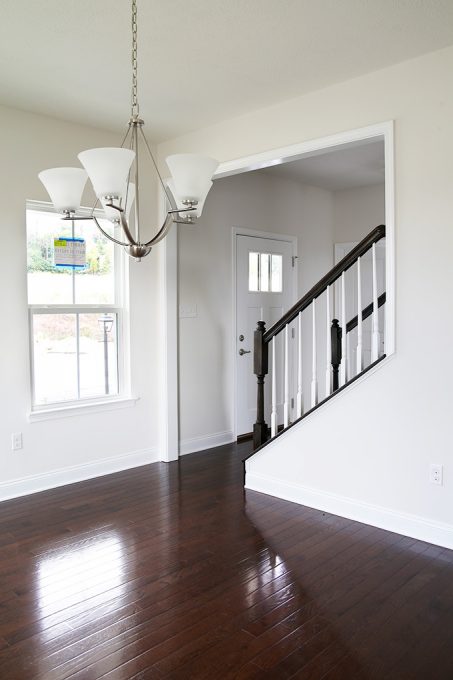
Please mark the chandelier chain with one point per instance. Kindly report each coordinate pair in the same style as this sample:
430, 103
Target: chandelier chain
134, 98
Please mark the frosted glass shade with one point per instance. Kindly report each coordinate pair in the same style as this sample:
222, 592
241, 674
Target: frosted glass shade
179, 204
65, 187
113, 214
108, 169
191, 175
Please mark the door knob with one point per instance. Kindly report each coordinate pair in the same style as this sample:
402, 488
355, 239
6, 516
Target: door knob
244, 351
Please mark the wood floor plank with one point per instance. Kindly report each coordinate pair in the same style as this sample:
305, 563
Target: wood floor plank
173, 572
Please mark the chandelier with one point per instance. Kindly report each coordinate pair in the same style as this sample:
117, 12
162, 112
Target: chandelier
114, 175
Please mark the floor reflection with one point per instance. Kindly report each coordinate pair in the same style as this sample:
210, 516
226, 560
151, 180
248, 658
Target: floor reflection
79, 571
370, 597
303, 588
268, 567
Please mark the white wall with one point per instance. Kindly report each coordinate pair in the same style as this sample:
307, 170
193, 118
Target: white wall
357, 211
57, 451
252, 201
375, 444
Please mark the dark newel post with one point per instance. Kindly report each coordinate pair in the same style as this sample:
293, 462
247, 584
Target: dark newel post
335, 337
260, 367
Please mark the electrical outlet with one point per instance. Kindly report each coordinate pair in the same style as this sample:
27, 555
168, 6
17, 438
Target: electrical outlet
16, 441
436, 474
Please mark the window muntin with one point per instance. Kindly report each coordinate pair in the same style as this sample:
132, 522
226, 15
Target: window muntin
75, 316
265, 273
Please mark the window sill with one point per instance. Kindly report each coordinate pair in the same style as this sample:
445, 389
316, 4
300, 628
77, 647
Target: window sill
81, 409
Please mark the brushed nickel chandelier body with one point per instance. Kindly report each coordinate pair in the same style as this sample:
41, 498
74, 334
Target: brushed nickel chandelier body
114, 174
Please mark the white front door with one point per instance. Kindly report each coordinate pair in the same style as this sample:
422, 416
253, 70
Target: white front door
264, 291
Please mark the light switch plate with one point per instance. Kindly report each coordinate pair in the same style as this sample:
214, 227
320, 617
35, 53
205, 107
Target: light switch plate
187, 311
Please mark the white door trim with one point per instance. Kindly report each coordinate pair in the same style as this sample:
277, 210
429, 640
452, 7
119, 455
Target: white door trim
168, 342
240, 231
169, 300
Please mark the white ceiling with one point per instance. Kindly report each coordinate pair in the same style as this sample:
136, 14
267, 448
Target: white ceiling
345, 167
201, 61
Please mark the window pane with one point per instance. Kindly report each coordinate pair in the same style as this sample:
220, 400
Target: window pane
96, 283
46, 284
98, 355
264, 272
253, 272
276, 273
54, 357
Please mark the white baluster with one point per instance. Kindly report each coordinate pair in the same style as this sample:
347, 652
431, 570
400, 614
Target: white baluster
349, 361
299, 404
344, 358
314, 368
328, 345
375, 336
274, 389
286, 401
359, 356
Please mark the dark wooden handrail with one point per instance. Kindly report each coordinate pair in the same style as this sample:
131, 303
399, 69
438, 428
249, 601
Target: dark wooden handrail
373, 237
366, 312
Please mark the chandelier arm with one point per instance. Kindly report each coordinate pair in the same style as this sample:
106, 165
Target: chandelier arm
124, 224
165, 228
163, 231
110, 238
129, 173
167, 192
126, 135
126, 230
137, 192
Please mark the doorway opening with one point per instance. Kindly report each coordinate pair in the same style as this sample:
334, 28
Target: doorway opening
318, 196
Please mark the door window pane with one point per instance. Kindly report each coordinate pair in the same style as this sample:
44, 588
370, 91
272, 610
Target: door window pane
253, 272
55, 357
98, 355
265, 273
276, 273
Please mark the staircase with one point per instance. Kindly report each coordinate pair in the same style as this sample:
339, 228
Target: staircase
336, 349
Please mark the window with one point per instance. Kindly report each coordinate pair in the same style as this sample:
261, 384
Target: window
76, 314
265, 273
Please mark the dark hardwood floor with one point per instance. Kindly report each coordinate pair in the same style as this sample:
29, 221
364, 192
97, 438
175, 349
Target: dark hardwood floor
173, 571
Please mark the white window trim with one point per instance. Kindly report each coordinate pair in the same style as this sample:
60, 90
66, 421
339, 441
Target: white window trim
83, 407
124, 398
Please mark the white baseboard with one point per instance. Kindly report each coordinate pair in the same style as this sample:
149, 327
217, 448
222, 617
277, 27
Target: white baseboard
208, 441
76, 473
398, 522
